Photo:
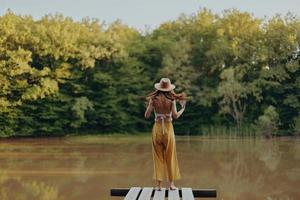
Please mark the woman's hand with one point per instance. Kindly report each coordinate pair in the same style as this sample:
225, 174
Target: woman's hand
182, 103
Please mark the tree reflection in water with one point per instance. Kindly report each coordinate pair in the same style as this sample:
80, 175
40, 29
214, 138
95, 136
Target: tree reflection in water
87, 167
19, 189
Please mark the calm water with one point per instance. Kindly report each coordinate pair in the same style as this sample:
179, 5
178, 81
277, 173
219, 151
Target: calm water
80, 168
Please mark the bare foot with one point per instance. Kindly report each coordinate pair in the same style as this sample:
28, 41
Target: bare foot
158, 186
172, 186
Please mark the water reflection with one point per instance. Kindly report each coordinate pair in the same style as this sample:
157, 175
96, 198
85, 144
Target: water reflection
87, 167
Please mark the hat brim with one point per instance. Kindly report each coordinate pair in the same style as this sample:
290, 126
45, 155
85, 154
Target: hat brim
157, 86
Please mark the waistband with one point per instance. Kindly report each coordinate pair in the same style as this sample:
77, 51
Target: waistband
162, 117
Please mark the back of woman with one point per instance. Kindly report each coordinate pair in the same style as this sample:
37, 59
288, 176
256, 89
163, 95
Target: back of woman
163, 103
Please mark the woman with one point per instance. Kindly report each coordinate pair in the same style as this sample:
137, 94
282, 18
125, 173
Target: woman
163, 102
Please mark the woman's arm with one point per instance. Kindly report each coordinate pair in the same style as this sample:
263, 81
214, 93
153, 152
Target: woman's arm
174, 110
149, 109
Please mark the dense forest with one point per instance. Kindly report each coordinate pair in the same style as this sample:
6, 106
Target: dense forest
59, 76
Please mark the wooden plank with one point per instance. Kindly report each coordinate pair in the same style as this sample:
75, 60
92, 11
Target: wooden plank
146, 193
159, 195
205, 193
133, 193
173, 194
119, 192
202, 193
187, 194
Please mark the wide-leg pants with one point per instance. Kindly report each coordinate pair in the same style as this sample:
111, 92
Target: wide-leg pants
164, 153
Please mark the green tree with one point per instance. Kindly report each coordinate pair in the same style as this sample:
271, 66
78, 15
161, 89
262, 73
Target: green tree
267, 123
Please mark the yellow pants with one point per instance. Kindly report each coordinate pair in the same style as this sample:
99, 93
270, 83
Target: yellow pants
164, 152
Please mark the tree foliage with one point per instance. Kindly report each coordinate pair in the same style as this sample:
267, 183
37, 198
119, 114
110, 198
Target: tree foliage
58, 76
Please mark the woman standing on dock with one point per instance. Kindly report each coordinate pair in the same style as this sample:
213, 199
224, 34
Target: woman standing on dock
163, 102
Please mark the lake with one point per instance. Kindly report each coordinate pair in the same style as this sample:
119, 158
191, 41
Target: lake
87, 167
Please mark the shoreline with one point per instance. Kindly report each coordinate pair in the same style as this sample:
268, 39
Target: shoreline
138, 135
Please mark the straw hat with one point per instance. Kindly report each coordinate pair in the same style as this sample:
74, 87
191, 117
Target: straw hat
164, 85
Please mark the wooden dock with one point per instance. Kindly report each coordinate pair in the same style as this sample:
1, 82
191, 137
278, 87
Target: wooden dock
146, 193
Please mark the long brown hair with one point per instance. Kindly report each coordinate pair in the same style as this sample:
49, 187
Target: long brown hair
168, 94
